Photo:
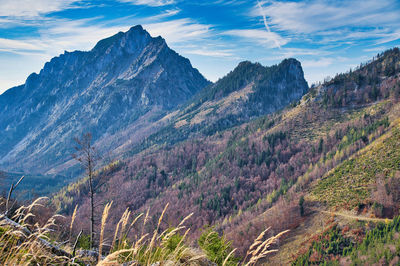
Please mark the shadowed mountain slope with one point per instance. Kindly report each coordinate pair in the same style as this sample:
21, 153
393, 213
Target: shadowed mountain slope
126, 80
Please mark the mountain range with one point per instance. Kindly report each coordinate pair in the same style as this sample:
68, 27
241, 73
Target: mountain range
257, 149
327, 155
123, 81
126, 88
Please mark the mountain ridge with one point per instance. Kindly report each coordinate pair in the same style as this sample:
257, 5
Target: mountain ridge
123, 91
98, 91
257, 151
249, 177
242, 97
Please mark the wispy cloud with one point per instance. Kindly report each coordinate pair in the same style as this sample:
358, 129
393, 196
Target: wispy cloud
324, 21
266, 24
29, 8
149, 2
375, 49
17, 45
262, 37
179, 30
212, 53
292, 52
319, 15
389, 37
351, 36
322, 62
58, 35
166, 14
226, 2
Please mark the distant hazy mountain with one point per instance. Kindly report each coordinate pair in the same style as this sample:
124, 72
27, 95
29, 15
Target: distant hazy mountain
126, 80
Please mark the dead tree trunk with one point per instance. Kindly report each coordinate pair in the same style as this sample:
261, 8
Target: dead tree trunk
91, 205
86, 155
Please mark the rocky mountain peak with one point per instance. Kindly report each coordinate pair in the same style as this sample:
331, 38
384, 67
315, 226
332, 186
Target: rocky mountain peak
126, 78
135, 38
287, 75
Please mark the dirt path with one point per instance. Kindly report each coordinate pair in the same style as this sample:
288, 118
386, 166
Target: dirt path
313, 225
353, 217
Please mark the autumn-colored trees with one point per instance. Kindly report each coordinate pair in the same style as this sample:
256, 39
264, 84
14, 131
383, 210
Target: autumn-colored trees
234, 175
244, 170
364, 84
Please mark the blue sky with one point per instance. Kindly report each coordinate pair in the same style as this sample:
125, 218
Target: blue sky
326, 36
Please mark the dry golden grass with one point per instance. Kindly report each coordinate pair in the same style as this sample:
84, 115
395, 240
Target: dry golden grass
72, 221
260, 249
22, 243
103, 226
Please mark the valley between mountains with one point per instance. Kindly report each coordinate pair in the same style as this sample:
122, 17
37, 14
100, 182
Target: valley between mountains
257, 149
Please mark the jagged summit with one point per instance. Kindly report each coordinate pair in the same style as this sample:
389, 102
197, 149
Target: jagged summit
247, 92
134, 38
124, 90
125, 78
264, 80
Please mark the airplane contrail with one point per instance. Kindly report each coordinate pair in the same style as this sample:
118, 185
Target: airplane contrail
266, 24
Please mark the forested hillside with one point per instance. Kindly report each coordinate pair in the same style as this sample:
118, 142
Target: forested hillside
246, 93
319, 159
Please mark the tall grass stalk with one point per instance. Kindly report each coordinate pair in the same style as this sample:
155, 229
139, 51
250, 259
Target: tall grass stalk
103, 226
22, 246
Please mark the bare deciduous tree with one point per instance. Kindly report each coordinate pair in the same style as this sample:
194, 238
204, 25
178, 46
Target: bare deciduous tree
86, 155
8, 201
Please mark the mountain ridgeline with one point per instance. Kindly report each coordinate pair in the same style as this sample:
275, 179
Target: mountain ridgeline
249, 91
124, 79
285, 80
258, 90
251, 176
257, 149
130, 91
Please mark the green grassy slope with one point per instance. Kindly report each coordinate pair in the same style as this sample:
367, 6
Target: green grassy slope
352, 183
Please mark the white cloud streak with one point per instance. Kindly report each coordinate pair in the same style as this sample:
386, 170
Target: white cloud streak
375, 49
389, 37
59, 35
212, 53
32, 8
319, 15
153, 3
334, 21
179, 30
266, 24
262, 37
17, 45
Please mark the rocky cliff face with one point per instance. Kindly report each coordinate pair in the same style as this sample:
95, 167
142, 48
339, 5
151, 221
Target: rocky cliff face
124, 79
